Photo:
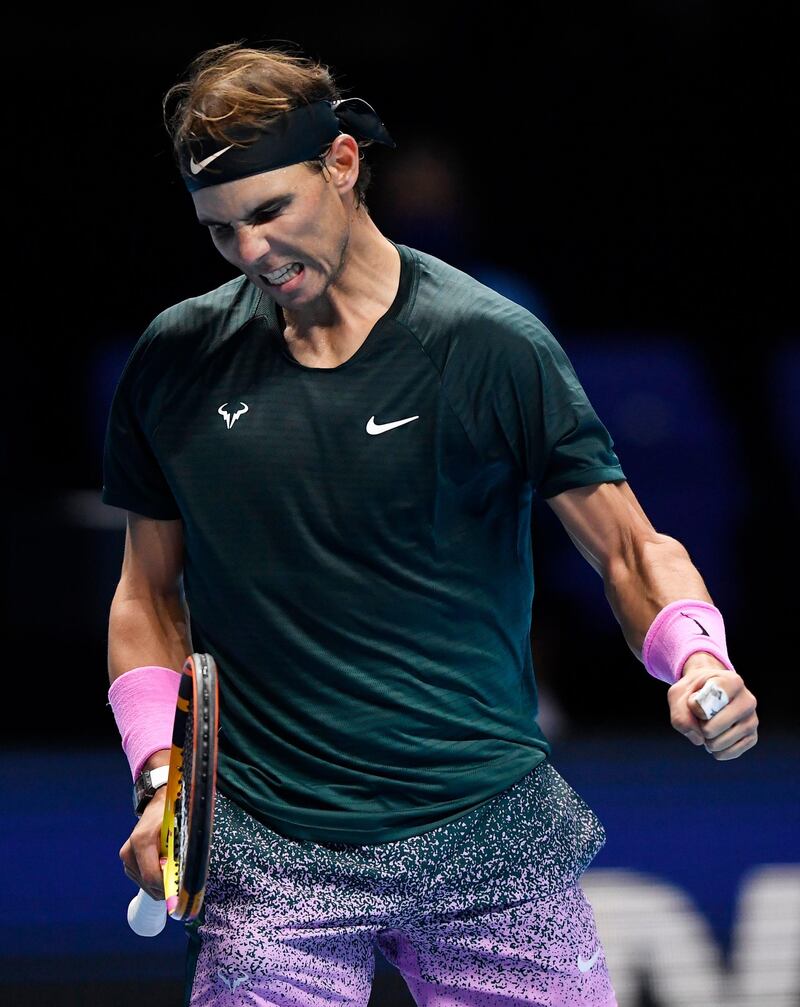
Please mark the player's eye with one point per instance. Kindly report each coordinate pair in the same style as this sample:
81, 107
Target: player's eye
221, 230
266, 215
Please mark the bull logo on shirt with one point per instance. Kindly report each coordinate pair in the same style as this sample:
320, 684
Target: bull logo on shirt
231, 418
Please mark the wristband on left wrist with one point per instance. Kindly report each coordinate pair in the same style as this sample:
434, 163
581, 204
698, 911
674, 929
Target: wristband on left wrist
683, 628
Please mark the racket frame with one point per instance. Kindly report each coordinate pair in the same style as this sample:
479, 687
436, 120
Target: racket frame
198, 698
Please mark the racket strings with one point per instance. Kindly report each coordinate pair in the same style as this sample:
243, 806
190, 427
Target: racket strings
183, 809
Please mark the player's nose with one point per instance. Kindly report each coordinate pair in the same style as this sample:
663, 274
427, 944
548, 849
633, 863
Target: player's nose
251, 247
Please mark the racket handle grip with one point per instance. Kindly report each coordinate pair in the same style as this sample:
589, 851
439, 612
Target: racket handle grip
147, 916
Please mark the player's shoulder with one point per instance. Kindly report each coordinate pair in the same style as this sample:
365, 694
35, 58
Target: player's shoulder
177, 338
225, 307
464, 315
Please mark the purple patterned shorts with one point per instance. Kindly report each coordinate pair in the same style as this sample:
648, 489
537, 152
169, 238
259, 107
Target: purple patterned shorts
485, 911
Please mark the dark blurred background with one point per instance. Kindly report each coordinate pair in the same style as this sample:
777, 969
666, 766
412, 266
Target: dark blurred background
624, 173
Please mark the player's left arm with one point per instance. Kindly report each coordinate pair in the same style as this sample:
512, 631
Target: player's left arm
643, 571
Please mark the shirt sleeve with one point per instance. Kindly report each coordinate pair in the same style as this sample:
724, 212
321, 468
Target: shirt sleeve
553, 431
132, 476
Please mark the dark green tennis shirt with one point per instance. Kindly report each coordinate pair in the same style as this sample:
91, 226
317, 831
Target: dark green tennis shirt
358, 541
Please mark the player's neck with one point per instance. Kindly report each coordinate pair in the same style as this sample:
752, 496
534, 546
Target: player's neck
359, 294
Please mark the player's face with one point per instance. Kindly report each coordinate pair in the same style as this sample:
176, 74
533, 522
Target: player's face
286, 217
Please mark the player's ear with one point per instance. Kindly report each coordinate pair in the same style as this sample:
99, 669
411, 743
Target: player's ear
342, 161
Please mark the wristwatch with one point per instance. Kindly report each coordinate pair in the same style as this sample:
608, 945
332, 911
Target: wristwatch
147, 783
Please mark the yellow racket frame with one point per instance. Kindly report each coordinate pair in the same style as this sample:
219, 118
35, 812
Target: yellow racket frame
182, 904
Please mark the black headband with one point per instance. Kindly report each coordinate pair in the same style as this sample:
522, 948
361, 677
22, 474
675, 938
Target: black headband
300, 134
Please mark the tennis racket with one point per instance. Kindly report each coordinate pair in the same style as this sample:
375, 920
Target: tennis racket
189, 806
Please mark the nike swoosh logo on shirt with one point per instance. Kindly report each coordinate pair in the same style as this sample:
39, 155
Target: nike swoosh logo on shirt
584, 964
195, 166
381, 428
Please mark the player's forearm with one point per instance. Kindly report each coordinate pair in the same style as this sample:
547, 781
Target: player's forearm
145, 631
157, 759
150, 630
653, 574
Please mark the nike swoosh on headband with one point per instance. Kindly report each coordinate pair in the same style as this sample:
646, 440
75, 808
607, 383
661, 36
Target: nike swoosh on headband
194, 167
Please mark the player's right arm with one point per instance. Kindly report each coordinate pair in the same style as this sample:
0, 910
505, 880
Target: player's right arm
148, 625
148, 622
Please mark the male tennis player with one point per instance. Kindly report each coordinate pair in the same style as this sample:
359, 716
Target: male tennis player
330, 459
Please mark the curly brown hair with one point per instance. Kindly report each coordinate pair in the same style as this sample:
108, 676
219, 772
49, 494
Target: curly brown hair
233, 86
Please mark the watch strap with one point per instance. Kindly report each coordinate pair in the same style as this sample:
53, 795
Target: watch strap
147, 783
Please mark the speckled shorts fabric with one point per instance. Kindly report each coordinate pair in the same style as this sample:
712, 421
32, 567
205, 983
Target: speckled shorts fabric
482, 912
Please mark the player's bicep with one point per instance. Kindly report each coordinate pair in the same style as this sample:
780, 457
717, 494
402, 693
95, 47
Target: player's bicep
604, 520
152, 564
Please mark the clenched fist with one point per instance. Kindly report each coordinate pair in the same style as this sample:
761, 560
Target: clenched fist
728, 733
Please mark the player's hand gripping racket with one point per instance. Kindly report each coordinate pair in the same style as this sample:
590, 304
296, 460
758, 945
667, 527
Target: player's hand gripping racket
189, 806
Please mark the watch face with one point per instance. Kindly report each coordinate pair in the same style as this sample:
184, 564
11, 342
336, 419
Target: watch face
142, 789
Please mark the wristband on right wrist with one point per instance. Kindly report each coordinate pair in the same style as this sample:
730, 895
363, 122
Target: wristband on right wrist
143, 701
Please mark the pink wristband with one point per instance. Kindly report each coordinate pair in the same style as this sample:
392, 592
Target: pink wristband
681, 629
143, 701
